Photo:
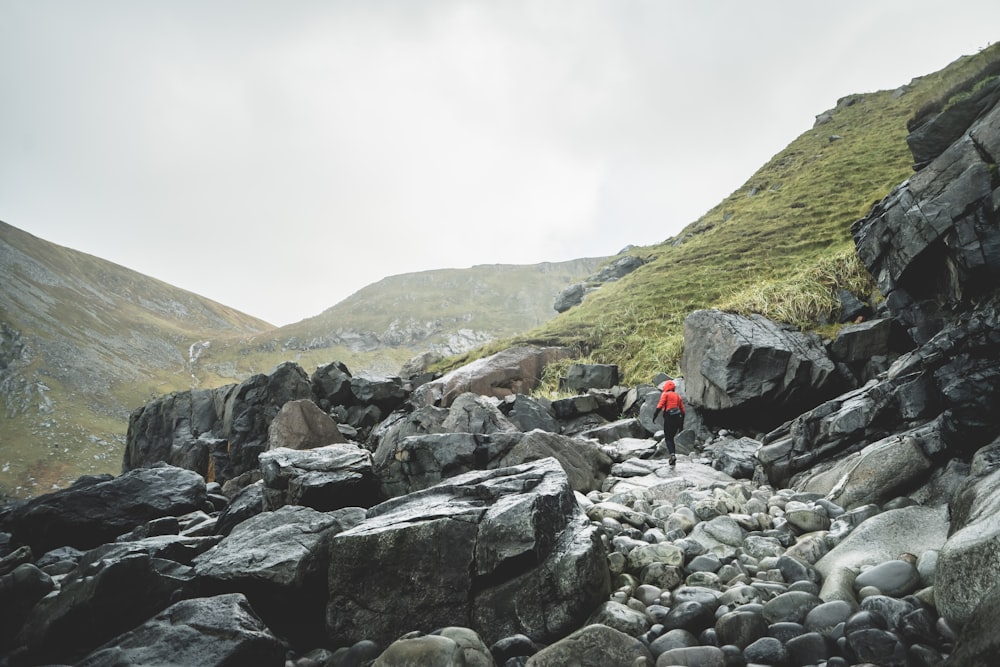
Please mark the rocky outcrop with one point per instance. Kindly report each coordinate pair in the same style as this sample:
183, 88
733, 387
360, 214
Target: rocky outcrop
502, 552
220, 630
325, 478
98, 509
302, 425
615, 270
751, 369
513, 371
933, 245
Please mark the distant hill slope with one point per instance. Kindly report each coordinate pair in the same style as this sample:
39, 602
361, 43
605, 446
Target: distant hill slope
84, 341
780, 245
380, 327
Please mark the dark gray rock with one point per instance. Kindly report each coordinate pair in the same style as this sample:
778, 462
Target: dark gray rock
248, 502
331, 385
279, 561
751, 369
934, 133
419, 462
529, 413
607, 434
740, 628
325, 478
979, 642
502, 552
250, 409
386, 394
571, 296
97, 509
181, 429
581, 377
933, 244
203, 632
593, 646
737, 457
20, 590
99, 601
472, 413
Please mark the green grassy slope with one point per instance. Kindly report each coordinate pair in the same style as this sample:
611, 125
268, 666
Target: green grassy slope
779, 245
380, 327
84, 341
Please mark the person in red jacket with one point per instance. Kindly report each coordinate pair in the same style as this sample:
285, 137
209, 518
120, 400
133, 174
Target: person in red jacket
672, 407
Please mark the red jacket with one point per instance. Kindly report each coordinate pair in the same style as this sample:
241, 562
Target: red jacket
670, 399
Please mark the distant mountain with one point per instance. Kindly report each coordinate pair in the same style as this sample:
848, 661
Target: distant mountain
380, 327
84, 341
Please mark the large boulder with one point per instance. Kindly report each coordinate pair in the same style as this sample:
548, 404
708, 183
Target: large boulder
516, 370
182, 429
418, 462
502, 552
595, 645
250, 409
752, 369
933, 244
278, 560
302, 425
969, 562
203, 632
96, 509
99, 601
324, 478
581, 377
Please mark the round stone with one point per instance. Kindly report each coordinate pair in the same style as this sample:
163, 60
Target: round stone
791, 606
808, 649
894, 578
827, 616
785, 631
704, 563
740, 628
691, 616
671, 640
767, 651
879, 647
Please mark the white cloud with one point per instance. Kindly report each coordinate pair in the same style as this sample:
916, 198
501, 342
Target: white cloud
279, 156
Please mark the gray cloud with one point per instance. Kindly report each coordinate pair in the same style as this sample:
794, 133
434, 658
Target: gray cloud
277, 157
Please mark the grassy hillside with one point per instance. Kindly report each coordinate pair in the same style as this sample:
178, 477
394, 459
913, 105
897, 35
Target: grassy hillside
380, 327
779, 245
83, 342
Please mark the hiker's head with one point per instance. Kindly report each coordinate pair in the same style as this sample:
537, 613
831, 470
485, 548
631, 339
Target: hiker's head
669, 385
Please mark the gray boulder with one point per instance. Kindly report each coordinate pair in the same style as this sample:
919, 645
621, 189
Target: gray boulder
969, 562
324, 478
419, 462
753, 369
472, 413
878, 473
302, 425
571, 296
97, 509
203, 632
581, 377
516, 370
250, 409
181, 429
447, 647
594, 646
331, 385
528, 413
99, 601
737, 457
278, 560
502, 552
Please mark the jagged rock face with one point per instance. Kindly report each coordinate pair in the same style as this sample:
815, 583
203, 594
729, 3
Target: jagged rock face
752, 368
324, 478
219, 630
933, 245
502, 552
178, 429
947, 389
97, 509
251, 407
935, 133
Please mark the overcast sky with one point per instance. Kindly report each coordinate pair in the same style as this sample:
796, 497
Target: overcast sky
279, 156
